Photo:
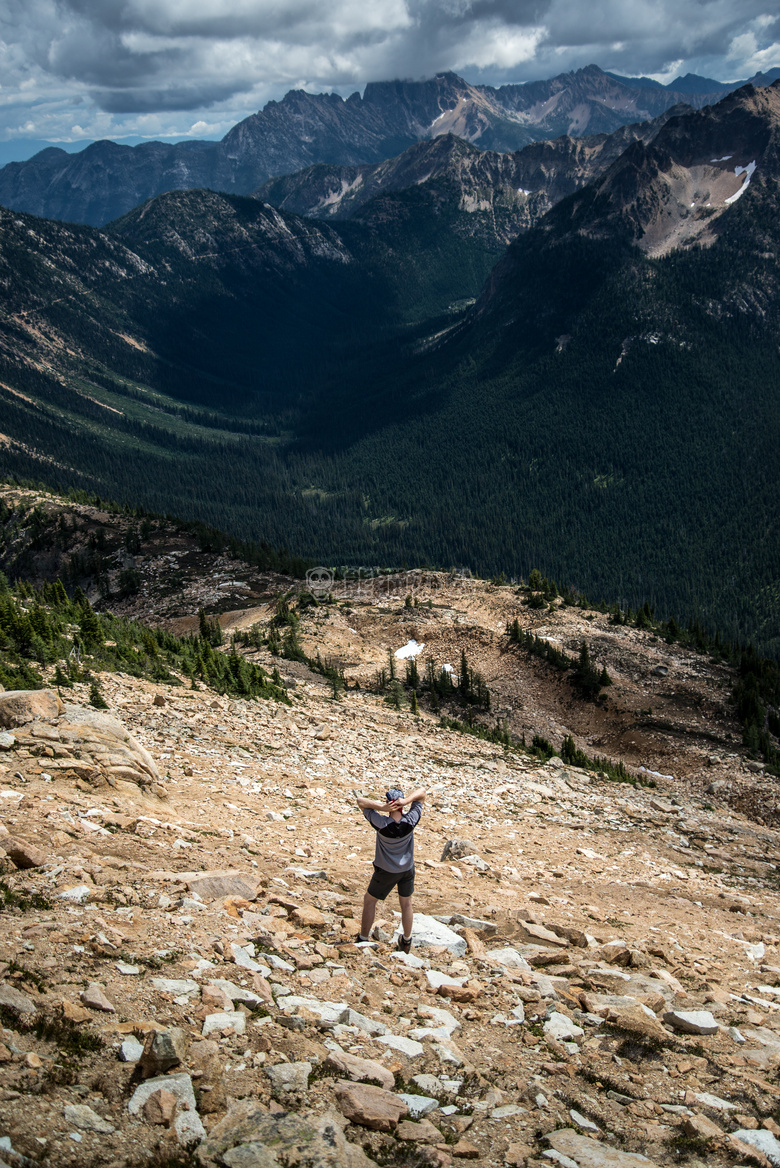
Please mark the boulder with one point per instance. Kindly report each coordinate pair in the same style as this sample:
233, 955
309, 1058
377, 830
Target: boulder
700, 1127
220, 883
234, 1020
308, 917
639, 1020
421, 1133
15, 1000
20, 706
251, 1137
370, 1107
509, 958
187, 1125
289, 1078
94, 997
162, 1050
762, 1141
588, 1153
544, 936
427, 931
360, 1070
456, 849
691, 1021
85, 1119
94, 731
21, 854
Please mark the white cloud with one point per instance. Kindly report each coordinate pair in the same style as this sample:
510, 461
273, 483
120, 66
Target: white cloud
118, 67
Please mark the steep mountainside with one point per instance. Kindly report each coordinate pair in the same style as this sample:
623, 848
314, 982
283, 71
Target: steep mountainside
673, 190
508, 191
106, 180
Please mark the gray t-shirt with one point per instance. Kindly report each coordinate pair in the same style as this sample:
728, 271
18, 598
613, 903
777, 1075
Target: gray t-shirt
395, 841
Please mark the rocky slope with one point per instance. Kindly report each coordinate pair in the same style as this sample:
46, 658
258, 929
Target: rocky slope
499, 194
672, 192
595, 967
106, 180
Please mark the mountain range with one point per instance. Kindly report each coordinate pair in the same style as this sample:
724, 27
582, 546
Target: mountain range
106, 179
395, 384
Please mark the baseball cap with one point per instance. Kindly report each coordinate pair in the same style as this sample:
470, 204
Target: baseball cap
394, 793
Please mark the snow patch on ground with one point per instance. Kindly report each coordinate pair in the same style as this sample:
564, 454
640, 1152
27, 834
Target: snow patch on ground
748, 170
725, 158
410, 649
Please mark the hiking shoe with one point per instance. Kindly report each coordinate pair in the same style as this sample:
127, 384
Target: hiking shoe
403, 945
361, 940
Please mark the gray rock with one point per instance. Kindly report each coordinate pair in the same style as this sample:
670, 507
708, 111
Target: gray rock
489, 927
7, 741
405, 1046
455, 849
507, 1111
223, 1020
187, 1125
179, 1085
76, 895
218, 884
588, 1153
289, 1078
237, 993
250, 1137
370, 1026
583, 1122
762, 1141
175, 985
691, 1021
509, 958
244, 960
427, 930
163, 1050
714, 1101
419, 1105
128, 970
14, 1000
328, 1013
561, 1028
84, 1118
432, 1085
130, 1051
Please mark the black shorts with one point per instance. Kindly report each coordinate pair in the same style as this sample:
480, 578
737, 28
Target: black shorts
383, 882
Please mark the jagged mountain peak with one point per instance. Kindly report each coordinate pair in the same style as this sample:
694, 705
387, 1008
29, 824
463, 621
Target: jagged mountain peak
673, 190
303, 129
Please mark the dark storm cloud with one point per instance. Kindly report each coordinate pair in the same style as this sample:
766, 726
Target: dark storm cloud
147, 56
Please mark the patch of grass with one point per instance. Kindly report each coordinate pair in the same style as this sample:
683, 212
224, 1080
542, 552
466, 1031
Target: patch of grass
9, 898
683, 1147
33, 979
70, 1038
163, 1158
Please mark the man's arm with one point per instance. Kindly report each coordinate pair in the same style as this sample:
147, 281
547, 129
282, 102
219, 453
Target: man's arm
369, 804
417, 796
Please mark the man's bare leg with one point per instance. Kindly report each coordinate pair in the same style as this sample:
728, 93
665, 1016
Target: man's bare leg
369, 912
407, 915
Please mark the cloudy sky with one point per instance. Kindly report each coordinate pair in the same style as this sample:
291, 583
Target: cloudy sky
74, 69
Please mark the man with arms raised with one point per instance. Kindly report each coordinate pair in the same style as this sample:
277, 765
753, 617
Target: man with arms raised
394, 822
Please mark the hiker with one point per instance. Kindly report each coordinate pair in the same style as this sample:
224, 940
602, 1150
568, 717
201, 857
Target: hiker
394, 857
